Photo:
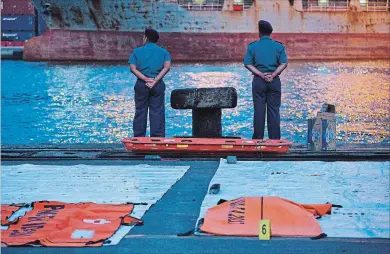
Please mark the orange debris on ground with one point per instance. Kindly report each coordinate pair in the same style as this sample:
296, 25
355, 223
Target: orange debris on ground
241, 217
7, 211
52, 223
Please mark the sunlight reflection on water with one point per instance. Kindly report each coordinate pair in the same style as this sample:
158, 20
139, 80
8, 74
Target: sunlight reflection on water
85, 103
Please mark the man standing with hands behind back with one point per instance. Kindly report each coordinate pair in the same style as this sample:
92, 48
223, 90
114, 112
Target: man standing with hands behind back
149, 63
266, 59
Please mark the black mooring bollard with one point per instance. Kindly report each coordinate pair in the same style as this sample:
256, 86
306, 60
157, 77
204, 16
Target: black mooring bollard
206, 105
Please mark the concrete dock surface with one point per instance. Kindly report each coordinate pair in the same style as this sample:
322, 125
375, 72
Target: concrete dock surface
178, 209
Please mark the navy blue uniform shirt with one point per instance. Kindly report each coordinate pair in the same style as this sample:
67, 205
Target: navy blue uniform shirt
149, 59
265, 54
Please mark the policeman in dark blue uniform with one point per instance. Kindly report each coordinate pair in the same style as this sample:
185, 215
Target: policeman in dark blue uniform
149, 63
266, 59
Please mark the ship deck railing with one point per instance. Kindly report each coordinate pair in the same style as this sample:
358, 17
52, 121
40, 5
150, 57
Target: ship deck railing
380, 5
208, 7
202, 7
327, 8
377, 6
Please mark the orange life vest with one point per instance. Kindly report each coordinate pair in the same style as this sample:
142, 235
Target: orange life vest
52, 223
241, 217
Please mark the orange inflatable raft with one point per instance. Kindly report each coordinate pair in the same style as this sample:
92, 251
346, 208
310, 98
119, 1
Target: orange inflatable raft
205, 145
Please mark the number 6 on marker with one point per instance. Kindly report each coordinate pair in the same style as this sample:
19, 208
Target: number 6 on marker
264, 230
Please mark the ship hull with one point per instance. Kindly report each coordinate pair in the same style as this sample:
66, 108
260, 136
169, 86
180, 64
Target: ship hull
65, 45
101, 30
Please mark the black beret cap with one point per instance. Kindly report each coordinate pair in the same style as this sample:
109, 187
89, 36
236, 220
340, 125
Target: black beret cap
152, 35
265, 27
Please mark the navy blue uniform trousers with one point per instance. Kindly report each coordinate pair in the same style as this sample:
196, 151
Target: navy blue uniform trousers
266, 98
151, 100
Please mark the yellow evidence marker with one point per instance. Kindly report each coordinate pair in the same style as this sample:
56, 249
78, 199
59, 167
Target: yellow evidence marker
265, 230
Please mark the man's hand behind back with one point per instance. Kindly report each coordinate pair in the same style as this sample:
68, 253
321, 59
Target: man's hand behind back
150, 83
269, 77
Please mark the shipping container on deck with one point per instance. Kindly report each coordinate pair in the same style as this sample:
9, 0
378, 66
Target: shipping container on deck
17, 7
12, 43
17, 35
20, 27
41, 24
18, 23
